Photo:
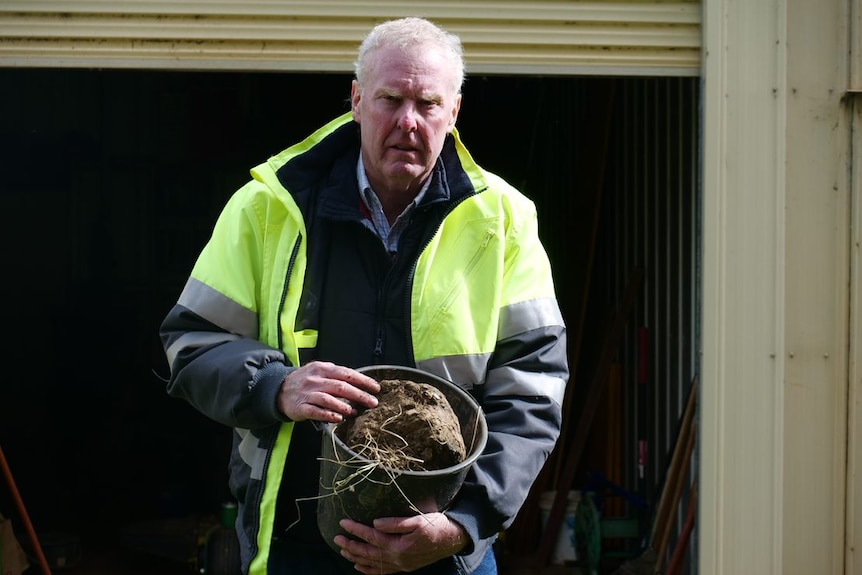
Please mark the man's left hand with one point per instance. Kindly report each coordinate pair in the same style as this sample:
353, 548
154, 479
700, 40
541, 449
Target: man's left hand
398, 544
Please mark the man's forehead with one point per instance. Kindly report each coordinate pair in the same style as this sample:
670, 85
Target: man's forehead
393, 65
411, 91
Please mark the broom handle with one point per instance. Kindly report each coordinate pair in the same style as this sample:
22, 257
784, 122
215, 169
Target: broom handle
23, 511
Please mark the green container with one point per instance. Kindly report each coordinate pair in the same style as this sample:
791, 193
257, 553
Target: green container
227, 514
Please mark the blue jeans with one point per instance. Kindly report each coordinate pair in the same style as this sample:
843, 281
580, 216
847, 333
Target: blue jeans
293, 558
488, 566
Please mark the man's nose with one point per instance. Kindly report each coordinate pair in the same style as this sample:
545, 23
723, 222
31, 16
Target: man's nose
407, 120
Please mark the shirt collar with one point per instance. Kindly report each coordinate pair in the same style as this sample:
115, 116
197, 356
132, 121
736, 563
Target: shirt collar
369, 196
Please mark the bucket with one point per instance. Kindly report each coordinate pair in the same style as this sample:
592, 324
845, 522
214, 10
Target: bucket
565, 549
354, 487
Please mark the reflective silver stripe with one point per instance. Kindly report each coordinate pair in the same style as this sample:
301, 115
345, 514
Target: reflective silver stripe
196, 339
219, 309
528, 315
468, 371
251, 453
465, 371
509, 381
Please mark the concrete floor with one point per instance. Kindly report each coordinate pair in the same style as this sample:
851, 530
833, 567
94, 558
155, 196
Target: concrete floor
121, 562
112, 561
549, 570
117, 562
111, 558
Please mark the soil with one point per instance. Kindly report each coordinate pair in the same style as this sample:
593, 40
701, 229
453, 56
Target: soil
413, 428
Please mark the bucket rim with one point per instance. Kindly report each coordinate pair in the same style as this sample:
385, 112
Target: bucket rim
481, 424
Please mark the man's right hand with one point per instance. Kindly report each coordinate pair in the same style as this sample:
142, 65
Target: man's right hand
323, 391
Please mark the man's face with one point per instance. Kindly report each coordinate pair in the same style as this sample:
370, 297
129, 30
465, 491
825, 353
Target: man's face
407, 105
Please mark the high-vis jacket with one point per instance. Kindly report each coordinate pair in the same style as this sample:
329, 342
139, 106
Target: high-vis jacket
292, 274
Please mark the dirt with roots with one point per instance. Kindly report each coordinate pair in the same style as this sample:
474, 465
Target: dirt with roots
413, 428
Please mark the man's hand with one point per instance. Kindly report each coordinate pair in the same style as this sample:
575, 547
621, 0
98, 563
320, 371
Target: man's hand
397, 544
327, 392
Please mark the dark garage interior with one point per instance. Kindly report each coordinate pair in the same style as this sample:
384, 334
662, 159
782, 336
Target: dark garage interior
110, 181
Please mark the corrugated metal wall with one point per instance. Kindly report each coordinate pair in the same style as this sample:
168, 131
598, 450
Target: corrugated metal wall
511, 37
651, 221
608, 218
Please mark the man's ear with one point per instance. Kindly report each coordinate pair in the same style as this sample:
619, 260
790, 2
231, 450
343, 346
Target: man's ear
455, 109
355, 96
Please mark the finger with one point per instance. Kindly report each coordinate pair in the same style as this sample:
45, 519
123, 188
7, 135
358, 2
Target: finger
375, 568
329, 401
317, 413
324, 370
369, 560
356, 379
367, 535
320, 406
401, 525
350, 394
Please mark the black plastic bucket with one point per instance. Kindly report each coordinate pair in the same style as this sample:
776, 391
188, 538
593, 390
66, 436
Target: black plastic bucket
356, 488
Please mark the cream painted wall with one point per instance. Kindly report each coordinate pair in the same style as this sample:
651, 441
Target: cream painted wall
776, 288
853, 539
743, 291
817, 241
853, 546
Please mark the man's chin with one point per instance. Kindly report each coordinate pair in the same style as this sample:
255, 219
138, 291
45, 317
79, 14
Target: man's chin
404, 174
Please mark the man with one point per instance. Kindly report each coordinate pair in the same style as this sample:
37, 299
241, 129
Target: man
376, 240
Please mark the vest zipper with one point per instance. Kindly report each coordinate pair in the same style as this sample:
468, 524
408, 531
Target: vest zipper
378, 345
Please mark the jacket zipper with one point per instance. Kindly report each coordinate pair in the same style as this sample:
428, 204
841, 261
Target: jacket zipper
256, 529
378, 345
408, 290
293, 255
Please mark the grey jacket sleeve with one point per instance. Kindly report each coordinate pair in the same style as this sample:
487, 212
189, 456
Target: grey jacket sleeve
230, 378
522, 432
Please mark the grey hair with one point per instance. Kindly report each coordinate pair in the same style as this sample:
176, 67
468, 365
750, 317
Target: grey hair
411, 32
